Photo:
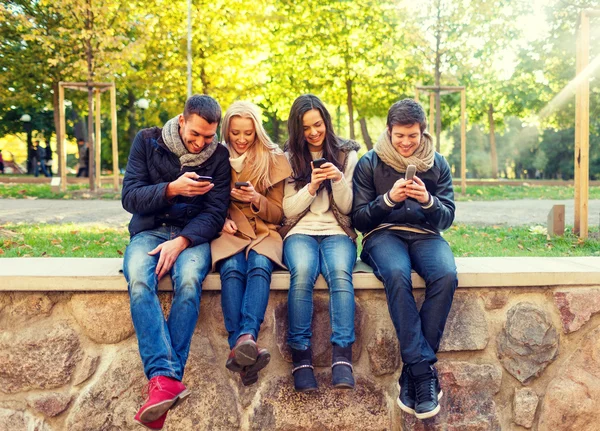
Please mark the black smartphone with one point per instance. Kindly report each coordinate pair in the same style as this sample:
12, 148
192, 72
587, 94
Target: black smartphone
411, 170
204, 178
319, 162
240, 184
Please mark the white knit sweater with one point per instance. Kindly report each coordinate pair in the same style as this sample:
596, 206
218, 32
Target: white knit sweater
320, 219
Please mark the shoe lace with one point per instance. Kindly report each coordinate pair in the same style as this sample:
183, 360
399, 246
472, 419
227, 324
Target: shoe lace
425, 389
152, 385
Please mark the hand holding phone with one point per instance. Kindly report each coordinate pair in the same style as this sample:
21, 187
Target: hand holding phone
411, 170
319, 162
240, 184
204, 178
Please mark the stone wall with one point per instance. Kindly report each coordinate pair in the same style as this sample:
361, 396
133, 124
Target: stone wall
511, 359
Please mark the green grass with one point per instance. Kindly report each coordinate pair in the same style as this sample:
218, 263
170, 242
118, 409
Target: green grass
78, 240
42, 191
498, 193
65, 240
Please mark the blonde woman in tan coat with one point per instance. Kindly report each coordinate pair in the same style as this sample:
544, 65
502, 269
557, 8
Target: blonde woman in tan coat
249, 246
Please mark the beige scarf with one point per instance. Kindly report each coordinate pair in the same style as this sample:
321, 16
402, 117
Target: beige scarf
422, 158
172, 139
237, 162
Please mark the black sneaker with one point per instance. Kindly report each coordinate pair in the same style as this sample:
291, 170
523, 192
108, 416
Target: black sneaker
406, 387
427, 389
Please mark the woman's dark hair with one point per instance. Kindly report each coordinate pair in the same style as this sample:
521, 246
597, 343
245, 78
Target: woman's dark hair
296, 145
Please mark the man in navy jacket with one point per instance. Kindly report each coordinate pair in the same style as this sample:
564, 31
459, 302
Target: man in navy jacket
177, 188
401, 220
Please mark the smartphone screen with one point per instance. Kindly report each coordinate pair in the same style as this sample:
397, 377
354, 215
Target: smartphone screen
319, 162
240, 184
204, 178
411, 170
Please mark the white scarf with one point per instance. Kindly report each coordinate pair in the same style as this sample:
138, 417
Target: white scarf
422, 158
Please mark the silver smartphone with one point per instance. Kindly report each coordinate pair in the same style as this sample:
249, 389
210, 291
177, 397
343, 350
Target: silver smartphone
411, 170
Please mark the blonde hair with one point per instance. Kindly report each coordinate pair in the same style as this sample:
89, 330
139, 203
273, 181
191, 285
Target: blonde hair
262, 155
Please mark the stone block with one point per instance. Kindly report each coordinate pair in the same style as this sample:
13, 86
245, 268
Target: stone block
17, 420
86, 369
38, 357
525, 404
495, 300
107, 324
576, 307
321, 331
30, 304
528, 342
384, 351
467, 326
281, 408
556, 220
50, 404
572, 398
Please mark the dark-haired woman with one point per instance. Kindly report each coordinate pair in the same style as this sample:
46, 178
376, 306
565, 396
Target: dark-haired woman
319, 238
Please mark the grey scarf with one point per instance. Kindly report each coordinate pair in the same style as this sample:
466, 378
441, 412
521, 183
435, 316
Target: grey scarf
170, 134
422, 158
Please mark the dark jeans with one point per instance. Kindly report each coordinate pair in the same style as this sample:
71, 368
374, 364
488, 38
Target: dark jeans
306, 257
245, 286
393, 254
164, 345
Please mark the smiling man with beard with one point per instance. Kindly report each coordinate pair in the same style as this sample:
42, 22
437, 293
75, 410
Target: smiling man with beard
177, 188
401, 220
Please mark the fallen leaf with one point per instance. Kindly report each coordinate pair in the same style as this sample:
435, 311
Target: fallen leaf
120, 252
74, 232
75, 248
100, 253
1, 251
498, 239
56, 241
102, 239
520, 246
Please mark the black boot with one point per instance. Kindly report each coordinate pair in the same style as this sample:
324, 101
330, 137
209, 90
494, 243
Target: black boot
304, 376
341, 368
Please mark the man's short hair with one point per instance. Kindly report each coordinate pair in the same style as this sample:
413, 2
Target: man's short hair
203, 106
406, 112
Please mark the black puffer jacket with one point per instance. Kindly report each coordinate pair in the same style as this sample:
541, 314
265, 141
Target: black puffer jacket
373, 178
151, 167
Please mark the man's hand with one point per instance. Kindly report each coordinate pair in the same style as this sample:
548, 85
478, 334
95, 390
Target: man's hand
317, 176
186, 185
246, 194
230, 227
169, 251
398, 191
416, 190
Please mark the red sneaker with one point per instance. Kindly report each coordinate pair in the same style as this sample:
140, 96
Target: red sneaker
154, 425
163, 393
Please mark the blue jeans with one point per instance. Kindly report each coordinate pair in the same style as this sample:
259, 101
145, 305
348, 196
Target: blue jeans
245, 286
164, 345
333, 256
393, 254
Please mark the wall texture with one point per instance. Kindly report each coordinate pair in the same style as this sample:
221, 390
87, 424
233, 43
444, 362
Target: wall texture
511, 359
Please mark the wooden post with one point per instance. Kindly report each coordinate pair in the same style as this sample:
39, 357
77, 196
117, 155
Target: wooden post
431, 113
61, 138
98, 142
115, 148
577, 158
416, 94
584, 178
493, 154
463, 141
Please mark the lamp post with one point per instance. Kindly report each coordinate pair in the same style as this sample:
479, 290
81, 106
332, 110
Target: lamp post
143, 104
28, 127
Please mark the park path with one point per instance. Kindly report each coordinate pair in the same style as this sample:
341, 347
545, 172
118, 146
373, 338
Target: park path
111, 213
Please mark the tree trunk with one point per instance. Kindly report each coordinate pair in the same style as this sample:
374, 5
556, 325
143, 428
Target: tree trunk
89, 24
438, 75
56, 113
493, 143
350, 108
365, 133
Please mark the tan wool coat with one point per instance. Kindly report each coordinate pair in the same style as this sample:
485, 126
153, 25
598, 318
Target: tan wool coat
257, 227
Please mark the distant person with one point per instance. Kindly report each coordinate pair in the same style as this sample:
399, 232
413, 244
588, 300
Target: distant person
1, 163
249, 246
84, 158
48, 159
39, 160
177, 186
401, 217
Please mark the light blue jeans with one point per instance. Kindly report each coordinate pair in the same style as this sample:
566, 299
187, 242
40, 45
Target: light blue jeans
164, 344
306, 257
245, 286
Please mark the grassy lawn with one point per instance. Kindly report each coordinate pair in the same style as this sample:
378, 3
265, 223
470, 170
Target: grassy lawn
500, 193
77, 240
42, 191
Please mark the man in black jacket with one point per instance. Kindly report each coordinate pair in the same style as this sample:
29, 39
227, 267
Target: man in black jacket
401, 220
177, 188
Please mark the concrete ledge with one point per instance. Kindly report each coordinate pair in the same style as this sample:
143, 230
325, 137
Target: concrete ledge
104, 274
